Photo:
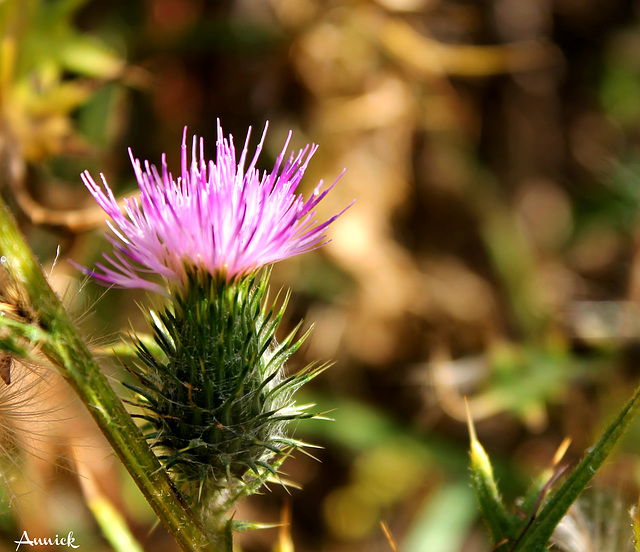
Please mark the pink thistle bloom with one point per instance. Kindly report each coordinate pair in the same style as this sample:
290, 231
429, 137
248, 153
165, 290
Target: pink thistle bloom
217, 217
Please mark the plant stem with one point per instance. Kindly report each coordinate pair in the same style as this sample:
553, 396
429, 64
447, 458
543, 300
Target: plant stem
76, 364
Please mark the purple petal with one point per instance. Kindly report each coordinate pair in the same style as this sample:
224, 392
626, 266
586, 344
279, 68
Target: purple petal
217, 217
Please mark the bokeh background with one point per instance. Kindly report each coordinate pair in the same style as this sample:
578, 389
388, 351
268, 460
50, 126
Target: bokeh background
493, 252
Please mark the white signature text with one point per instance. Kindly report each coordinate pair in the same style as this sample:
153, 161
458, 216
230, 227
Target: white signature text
58, 541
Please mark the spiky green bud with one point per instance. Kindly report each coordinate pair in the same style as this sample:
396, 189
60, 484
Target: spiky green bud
217, 399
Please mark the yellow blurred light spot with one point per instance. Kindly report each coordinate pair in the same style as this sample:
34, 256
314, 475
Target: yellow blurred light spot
387, 474
349, 513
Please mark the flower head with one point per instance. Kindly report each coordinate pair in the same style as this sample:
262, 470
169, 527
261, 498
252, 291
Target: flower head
216, 217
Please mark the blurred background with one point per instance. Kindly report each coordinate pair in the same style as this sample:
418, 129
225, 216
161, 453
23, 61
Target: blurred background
492, 252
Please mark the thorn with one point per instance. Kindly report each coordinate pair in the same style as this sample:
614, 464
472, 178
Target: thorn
285, 542
472, 430
562, 450
389, 536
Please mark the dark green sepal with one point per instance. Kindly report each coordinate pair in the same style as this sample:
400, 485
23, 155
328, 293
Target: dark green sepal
149, 395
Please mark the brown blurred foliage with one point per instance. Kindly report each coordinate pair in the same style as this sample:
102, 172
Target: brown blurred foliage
492, 149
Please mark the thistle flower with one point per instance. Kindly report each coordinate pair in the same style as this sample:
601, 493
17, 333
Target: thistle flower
212, 387
216, 217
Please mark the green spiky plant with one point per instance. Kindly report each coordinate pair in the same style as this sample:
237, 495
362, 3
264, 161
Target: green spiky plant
213, 390
544, 507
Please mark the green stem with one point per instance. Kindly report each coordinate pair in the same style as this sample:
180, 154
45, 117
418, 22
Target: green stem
65, 349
